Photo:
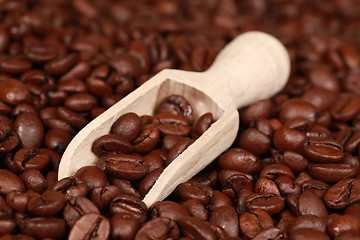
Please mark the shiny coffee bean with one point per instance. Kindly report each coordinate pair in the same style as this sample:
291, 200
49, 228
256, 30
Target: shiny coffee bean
90, 226
128, 126
111, 143
46, 205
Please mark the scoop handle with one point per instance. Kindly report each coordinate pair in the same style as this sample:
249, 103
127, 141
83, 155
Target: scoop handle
255, 66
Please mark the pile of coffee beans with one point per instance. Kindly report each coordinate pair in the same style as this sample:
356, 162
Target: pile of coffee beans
292, 172
139, 148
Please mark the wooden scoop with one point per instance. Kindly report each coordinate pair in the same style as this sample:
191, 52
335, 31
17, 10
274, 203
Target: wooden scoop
252, 67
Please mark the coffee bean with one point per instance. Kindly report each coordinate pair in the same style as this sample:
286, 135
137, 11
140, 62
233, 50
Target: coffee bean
158, 228
272, 204
172, 124
342, 194
227, 218
240, 160
177, 105
195, 228
30, 130
46, 205
90, 226
129, 167
254, 222
129, 204
124, 226
43, 227
128, 126
9, 182
111, 143
147, 139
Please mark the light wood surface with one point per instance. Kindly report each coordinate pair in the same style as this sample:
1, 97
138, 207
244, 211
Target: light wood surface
252, 67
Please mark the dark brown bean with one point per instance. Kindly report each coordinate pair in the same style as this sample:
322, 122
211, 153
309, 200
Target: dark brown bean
30, 130
111, 143
128, 126
90, 226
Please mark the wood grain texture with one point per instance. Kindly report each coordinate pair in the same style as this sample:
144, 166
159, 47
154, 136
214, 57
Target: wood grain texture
254, 66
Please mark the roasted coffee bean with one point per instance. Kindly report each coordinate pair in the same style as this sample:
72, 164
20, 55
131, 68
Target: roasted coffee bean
6, 226
111, 143
43, 227
102, 197
98, 87
271, 233
234, 184
14, 92
9, 139
287, 139
92, 176
30, 158
124, 226
6, 211
287, 186
177, 105
128, 126
321, 98
77, 207
270, 203
309, 234
295, 161
254, 141
147, 139
60, 65
297, 108
172, 124
324, 151
57, 139
196, 209
309, 222
193, 190
227, 218
34, 180
129, 167
310, 204
154, 161
203, 123
342, 224
30, 130
240, 160
149, 180
18, 200
158, 228
353, 210
10, 182
80, 102
264, 185
331, 173
351, 234
254, 222
129, 204
261, 109
90, 226
74, 119
72, 86
345, 108
126, 187
177, 149
273, 171
196, 229
168, 209
342, 194
317, 187
71, 187
46, 205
